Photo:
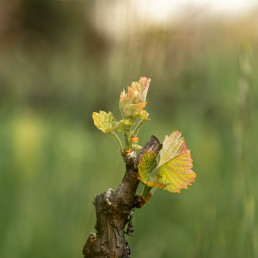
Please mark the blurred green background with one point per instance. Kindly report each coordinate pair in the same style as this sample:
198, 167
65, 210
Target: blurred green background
61, 61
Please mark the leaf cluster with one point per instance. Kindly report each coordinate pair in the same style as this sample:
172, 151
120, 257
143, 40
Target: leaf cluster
171, 169
132, 106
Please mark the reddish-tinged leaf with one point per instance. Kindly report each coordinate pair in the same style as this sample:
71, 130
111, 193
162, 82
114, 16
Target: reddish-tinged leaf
175, 164
132, 103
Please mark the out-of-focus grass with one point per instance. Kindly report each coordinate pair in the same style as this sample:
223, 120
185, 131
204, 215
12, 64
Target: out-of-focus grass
46, 201
53, 161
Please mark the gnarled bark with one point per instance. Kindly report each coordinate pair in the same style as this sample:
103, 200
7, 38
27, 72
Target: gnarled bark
114, 211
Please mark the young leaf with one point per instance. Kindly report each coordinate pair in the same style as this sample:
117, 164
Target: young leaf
142, 87
132, 103
104, 121
143, 115
175, 163
124, 125
145, 167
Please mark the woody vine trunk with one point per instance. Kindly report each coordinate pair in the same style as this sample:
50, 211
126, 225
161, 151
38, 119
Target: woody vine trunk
114, 210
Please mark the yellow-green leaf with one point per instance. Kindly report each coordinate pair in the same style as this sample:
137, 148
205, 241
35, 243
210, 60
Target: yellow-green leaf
175, 164
104, 121
143, 115
145, 168
124, 125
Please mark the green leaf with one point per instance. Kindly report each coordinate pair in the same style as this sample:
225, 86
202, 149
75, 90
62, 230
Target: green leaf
104, 121
143, 115
145, 168
124, 125
175, 163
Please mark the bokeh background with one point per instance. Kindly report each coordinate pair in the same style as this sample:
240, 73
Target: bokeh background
62, 60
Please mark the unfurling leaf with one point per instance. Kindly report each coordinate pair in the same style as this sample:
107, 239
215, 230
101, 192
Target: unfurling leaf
132, 103
142, 87
105, 122
175, 163
124, 125
145, 170
143, 115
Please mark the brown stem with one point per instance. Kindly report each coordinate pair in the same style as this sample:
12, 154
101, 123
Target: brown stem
114, 211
